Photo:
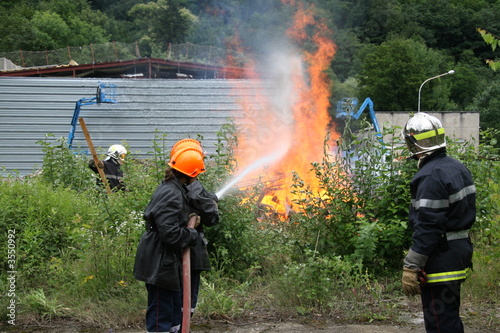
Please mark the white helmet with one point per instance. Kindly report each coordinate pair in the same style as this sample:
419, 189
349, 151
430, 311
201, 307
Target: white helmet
423, 133
117, 152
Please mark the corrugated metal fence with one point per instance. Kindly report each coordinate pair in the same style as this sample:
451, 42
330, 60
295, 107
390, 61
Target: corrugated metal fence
30, 108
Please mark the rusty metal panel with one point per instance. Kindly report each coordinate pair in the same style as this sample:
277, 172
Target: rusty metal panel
30, 108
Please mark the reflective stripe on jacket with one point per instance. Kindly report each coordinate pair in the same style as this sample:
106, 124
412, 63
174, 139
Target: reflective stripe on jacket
447, 276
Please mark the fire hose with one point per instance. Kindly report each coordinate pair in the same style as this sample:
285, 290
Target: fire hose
186, 283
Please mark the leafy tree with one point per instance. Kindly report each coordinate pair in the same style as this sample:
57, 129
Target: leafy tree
160, 23
50, 25
488, 104
50, 30
465, 85
15, 26
392, 73
448, 25
348, 44
117, 10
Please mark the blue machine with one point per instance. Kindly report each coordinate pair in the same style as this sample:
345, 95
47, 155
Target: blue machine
101, 97
346, 108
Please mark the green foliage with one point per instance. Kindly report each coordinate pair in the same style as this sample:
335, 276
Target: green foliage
50, 25
236, 239
46, 308
161, 22
218, 299
62, 166
484, 165
392, 72
489, 108
361, 213
333, 276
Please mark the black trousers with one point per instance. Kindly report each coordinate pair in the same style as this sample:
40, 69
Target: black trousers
164, 310
441, 306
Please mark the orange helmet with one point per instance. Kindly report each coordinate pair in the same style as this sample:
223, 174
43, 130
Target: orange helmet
186, 143
188, 161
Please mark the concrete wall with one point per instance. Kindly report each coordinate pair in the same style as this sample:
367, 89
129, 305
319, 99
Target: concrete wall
458, 125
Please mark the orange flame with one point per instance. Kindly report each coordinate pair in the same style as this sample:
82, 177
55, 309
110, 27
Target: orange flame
293, 118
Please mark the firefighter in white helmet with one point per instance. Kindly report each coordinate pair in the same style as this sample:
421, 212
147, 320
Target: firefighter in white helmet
442, 210
112, 167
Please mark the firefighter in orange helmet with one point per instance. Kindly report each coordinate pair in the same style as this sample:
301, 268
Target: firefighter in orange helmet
204, 204
159, 253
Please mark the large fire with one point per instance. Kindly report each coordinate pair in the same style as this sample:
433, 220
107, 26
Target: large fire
287, 123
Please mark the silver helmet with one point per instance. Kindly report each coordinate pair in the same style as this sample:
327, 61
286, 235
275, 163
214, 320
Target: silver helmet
117, 152
423, 133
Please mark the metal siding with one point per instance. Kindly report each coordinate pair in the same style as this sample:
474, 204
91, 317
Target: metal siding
30, 108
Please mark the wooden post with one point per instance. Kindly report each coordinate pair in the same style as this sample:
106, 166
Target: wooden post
114, 50
22, 58
186, 283
92, 51
137, 51
94, 155
69, 53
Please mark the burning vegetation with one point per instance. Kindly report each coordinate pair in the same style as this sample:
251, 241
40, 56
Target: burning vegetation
285, 125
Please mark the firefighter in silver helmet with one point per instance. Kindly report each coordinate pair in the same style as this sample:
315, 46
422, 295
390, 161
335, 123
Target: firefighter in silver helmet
442, 210
112, 167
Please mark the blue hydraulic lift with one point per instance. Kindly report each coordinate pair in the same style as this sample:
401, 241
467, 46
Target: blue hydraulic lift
100, 97
346, 107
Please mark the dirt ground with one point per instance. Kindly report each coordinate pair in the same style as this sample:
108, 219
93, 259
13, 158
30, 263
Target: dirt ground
415, 325
257, 327
409, 319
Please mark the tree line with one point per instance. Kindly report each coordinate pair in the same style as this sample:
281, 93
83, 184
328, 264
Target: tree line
385, 48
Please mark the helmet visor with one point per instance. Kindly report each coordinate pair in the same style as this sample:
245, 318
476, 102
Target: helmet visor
426, 141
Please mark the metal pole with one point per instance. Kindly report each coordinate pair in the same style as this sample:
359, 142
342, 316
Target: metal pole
431, 78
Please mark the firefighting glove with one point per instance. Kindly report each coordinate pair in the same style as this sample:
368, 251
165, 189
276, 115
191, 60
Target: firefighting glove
198, 219
410, 282
413, 262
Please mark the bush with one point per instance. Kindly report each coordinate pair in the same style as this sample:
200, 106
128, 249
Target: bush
361, 213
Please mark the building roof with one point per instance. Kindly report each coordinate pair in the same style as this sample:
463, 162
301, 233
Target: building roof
149, 68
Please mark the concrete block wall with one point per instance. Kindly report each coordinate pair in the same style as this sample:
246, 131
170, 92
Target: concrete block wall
458, 125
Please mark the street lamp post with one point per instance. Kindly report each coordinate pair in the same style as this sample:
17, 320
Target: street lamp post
431, 78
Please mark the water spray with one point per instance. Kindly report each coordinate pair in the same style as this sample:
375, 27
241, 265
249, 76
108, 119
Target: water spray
255, 165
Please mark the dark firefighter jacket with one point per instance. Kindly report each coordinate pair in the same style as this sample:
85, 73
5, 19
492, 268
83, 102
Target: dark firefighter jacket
204, 204
159, 253
443, 200
113, 174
